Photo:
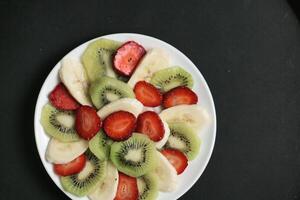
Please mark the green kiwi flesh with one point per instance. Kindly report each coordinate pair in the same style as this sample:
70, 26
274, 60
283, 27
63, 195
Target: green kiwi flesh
88, 179
148, 187
107, 89
172, 77
184, 139
135, 156
97, 58
100, 145
59, 124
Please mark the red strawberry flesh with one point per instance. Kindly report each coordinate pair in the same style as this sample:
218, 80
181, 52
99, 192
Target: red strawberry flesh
147, 94
127, 58
87, 123
61, 99
177, 159
150, 124
178, 96
119, 125
127, 188
73, 167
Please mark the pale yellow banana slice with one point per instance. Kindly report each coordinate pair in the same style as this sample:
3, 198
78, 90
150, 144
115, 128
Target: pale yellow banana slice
108, 188
63, 152
73, 76
166, 174
125, 104
193, 115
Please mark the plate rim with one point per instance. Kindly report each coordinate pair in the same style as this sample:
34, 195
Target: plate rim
206, 86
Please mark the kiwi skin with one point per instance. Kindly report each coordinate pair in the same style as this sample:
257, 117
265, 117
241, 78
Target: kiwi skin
84, 186
96, 58
133, 166
180, 131
100, 145
148, 187
53, 128
107, 85
172, 77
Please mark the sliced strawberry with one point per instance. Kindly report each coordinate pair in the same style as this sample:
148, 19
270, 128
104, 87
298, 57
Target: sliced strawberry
127, 188
87, 122
119, 125
150, 124
179, 95
61, 98
176, 158
147, 94
127, 58
70, 168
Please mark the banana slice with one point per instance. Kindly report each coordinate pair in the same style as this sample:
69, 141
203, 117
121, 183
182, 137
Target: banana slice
166, 174
63, 152
155, 109
126, 104
193, 115
108, 189
148, 109
72, 74
164, 140
154, 60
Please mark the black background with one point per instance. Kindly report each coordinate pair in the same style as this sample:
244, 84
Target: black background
248, 51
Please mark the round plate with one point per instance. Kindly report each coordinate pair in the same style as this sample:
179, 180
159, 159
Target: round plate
195, 167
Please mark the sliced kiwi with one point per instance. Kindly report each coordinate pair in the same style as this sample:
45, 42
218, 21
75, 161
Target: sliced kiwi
148, 187
135, 156
88, 179
184, 139
97, 58
169, 78
107, 89
59, 124
100, 145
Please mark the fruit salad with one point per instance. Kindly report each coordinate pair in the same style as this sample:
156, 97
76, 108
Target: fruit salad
123, 123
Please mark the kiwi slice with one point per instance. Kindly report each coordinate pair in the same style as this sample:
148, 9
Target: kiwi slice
184, 139
107, 89
88, 179
148, 187
59, 124
97, 58
169, 78
100, 145
135, 156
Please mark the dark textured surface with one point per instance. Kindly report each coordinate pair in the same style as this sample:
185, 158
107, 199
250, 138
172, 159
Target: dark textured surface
248, 51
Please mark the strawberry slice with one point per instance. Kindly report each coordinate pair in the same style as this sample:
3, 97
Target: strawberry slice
176, 158
147, 94
127, 58
150, 124
70, 168
179, 95
87, 122
127, 188
61, 98
119, 125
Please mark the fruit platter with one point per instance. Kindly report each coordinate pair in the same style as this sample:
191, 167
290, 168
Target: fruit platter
125, 117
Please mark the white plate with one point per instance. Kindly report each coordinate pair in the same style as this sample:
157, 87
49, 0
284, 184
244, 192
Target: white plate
195, 168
